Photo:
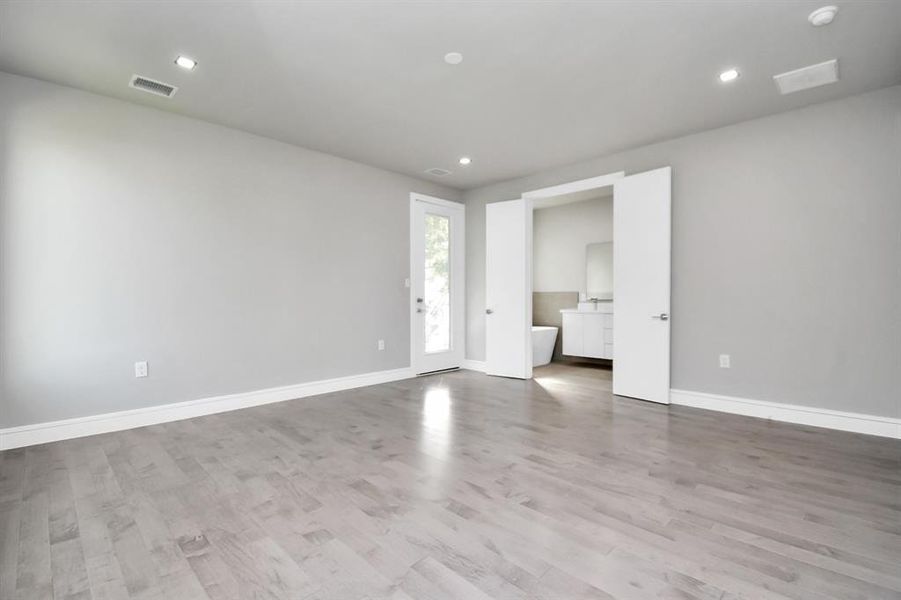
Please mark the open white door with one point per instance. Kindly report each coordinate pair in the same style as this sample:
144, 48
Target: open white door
508, 330
641, 285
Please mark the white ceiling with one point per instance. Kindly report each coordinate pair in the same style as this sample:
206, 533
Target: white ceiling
542, 83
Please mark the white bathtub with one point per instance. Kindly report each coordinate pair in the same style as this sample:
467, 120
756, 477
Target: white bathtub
543, 340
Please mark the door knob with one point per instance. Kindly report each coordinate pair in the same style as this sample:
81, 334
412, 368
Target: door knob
488, 311
661, 316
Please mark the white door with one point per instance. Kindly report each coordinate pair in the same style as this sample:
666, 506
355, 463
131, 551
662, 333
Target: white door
508, 277
436, 249
641, 285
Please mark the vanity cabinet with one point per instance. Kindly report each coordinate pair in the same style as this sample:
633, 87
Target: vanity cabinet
588, 334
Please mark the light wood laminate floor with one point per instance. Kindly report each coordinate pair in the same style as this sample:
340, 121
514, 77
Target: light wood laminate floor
456, 486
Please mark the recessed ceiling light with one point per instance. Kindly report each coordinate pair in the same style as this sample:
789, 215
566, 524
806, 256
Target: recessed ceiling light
730, 75
186, 63
465, 160
453, 58
822, 16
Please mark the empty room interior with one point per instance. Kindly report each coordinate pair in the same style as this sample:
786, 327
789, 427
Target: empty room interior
446, 300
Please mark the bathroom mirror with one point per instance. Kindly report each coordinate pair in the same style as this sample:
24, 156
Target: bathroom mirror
599, 270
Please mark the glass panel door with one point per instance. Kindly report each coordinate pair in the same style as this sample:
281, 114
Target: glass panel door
437, 284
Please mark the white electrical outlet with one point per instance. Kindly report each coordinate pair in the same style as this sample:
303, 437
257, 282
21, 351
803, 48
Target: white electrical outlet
381, 344
141, 369
725, 361
407, 282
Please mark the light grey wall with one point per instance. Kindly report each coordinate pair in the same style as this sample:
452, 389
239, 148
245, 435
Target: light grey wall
560, 235
228, 261
786, 253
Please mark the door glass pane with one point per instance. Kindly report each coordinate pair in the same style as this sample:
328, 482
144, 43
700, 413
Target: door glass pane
437, 283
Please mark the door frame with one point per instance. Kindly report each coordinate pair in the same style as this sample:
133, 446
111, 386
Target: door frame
580, 185
458, 289
540, 198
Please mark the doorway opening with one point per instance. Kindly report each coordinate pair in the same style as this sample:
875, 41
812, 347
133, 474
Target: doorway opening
579, 274
572, 287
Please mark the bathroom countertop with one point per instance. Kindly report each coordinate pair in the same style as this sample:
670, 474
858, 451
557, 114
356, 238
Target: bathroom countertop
602, 310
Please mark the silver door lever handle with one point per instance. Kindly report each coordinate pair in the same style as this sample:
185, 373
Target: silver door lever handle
488, 311
661, 316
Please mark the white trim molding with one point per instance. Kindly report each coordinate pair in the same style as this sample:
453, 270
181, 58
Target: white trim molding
41, 433
572, 187
473, 365
791, 413
437, 201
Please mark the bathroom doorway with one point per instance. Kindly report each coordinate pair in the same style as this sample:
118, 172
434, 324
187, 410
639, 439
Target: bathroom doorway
572, 280
582, 270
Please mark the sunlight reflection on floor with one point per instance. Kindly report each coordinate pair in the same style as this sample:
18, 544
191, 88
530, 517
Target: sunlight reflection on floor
436, 422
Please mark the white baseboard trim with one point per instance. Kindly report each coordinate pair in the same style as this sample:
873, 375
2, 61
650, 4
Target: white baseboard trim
41, 433
473, 365
791, 413
53, 431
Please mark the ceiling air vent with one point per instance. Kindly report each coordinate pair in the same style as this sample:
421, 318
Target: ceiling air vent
151, 86
437, 172
807, 77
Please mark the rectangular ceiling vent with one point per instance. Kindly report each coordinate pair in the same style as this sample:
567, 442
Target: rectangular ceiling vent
157, 88
438, 172
807, 77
